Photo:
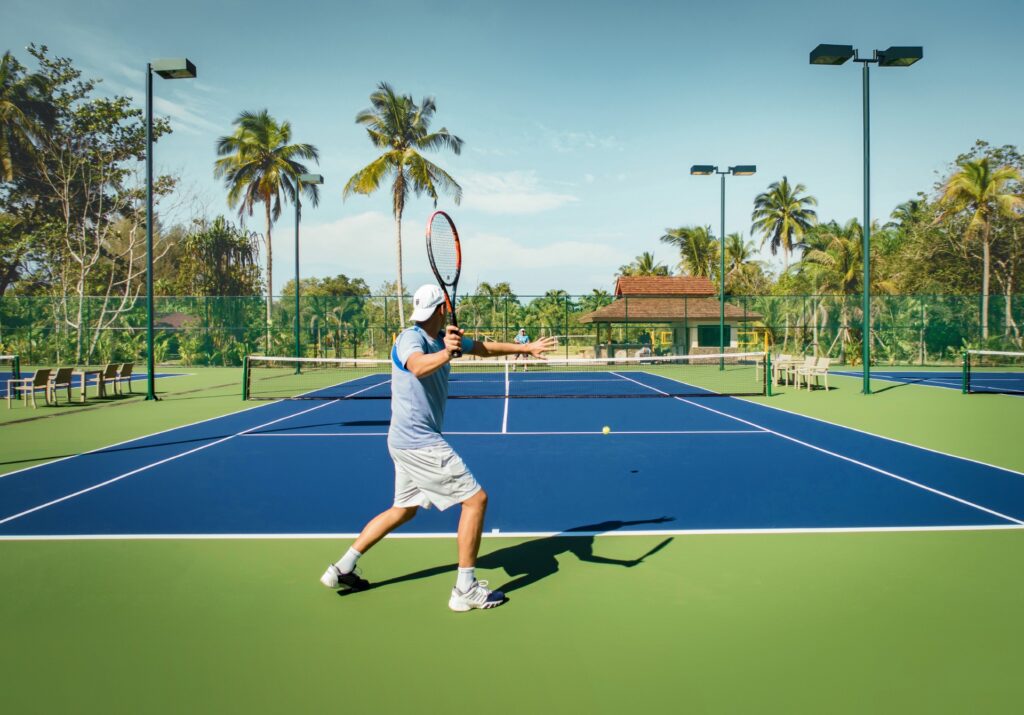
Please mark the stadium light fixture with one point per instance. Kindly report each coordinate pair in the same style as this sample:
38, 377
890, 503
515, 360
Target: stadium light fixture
706, 170
892, 57
831, 54
900, 56
177, 68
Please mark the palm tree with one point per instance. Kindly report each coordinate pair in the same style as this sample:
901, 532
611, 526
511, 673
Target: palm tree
644, 265
259, 162
834, 260
22, 113
598, 298
981, 189
698, 249
401, 128
782, 214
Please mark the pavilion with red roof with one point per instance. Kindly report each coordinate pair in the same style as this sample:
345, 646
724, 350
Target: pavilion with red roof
674, 314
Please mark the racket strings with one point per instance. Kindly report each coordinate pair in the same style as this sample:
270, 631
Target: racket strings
443, 249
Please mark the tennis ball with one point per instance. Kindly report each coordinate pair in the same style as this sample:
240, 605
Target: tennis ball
606, 430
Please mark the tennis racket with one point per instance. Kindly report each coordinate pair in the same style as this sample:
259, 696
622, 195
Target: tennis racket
445, 254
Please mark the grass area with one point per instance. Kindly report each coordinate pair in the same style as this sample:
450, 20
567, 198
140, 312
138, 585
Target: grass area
837, 623
788, 623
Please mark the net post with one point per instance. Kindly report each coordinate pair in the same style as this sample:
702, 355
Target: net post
768, 372
965, 384
16, 367
245, 378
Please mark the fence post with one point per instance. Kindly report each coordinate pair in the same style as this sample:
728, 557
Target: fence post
245, 378
566, 301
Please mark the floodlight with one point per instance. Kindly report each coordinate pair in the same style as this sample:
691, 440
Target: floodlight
175, 68
831, 54
702, 169
311, 178
743, 170
899, 56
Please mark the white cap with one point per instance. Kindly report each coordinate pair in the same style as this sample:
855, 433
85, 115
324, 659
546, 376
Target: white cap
426, 299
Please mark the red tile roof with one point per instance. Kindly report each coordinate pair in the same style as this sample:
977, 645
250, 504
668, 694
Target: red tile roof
664, 310
664, 285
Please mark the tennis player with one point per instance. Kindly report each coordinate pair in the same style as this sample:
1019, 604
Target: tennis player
521, 339
428, 472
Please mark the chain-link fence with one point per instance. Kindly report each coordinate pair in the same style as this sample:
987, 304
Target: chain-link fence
905, 329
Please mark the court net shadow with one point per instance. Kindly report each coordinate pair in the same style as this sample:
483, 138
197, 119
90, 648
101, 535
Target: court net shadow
531, 561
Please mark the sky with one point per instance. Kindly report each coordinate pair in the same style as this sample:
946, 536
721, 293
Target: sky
580, 118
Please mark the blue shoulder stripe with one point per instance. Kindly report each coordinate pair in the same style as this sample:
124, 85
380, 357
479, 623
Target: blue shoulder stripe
395, 360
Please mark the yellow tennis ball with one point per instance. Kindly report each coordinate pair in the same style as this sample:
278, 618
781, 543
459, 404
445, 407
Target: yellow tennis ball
606, 430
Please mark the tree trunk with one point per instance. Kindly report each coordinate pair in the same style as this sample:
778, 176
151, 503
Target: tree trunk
270, 279
985, 251
401, 289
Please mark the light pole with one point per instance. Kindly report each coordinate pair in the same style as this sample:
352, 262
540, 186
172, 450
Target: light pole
892, 57
302, 179
707, 170
177, 68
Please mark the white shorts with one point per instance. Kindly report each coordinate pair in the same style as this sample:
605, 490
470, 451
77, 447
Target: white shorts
433, 475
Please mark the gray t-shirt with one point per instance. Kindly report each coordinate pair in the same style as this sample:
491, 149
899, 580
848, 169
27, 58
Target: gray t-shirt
417, 404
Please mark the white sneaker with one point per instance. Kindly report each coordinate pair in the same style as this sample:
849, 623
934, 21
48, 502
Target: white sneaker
478, 596
334, 578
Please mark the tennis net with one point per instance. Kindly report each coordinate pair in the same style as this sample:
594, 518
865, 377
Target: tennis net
993, 371
275, 378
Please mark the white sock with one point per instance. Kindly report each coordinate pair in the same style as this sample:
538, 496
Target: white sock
347, 563
466, 579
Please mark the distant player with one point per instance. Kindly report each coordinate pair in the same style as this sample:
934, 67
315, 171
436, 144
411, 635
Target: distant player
427, 470
521, 339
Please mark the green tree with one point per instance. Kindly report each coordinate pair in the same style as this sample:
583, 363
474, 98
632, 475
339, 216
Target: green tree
597, 298
259, 163
744, 275
644, 265
24, 114
980, 189
698, 249
218, 259
401, 128
782, 215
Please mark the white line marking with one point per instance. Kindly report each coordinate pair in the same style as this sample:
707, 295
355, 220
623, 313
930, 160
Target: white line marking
511, 434
157, 463
521, 534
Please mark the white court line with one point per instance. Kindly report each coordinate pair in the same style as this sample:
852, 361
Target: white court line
165, 460
521, 534
845, 458
510, 434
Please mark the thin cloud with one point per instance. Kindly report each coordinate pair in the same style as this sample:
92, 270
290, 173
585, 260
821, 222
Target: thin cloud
566, 142
512, 192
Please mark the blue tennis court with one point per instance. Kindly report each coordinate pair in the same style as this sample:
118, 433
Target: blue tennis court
321, 467
1000, 382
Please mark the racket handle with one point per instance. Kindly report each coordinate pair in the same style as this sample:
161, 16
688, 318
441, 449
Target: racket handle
455, 322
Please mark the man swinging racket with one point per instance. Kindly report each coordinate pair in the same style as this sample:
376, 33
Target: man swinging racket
427, 470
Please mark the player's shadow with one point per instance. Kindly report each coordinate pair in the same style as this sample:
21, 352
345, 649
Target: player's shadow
529, 562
